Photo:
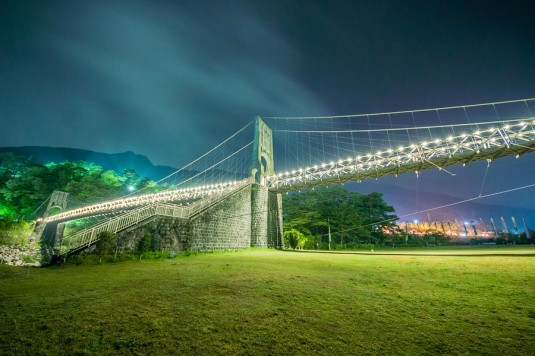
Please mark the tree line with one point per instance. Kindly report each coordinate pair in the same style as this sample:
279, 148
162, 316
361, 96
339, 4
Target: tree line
351, 217
25, 184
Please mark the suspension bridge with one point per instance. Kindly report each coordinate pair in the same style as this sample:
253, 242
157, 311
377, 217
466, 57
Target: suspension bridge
230, 197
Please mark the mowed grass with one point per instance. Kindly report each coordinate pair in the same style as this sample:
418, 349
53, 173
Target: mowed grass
273, 302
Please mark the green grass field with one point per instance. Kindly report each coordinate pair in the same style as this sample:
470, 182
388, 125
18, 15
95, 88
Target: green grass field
458, 301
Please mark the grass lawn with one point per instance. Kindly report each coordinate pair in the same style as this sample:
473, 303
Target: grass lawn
273, 302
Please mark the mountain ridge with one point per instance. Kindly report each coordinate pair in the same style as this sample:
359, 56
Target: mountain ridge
109, 161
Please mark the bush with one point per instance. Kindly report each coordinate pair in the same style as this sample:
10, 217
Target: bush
107, 242
294, 238
14, 232
27, 258
144, 244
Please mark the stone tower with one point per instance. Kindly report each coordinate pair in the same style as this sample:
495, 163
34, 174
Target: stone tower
266, 207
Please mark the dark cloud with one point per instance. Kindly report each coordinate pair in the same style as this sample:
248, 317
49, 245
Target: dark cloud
161, 80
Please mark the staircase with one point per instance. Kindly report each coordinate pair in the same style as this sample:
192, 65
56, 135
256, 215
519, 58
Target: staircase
89, 236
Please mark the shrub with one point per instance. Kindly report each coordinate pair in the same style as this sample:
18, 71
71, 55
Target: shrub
144, 244
14, 232
294, 238
107, 242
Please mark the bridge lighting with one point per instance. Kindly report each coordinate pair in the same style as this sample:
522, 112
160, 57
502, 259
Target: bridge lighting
287, 173
316, 167
368, 155
359, 158
437, 141
413, 146
449, 138
477, 133
506, 127
463, 135
323, 165
424, 143
522, 123
331, 163
379, 153
341, 161
131, 188
390, 150
400, 148
349, 159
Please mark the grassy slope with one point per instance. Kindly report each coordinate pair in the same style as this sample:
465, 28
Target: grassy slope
274, 302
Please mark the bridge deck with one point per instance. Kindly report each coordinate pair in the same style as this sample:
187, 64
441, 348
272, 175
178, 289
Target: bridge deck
516, 139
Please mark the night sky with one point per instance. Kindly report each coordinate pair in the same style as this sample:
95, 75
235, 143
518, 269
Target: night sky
169, 80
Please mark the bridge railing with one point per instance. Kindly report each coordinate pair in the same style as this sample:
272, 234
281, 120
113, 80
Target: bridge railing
486, 141
129, 202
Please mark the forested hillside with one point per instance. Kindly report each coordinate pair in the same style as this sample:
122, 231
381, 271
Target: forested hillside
25, 184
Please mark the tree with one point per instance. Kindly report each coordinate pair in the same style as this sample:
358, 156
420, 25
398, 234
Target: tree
295, 239
106, 243
144, 244
353, 217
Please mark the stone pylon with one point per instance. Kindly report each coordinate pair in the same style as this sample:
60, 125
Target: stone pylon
266, 207
57, 200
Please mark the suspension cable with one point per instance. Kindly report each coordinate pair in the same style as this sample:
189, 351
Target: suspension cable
396, 112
